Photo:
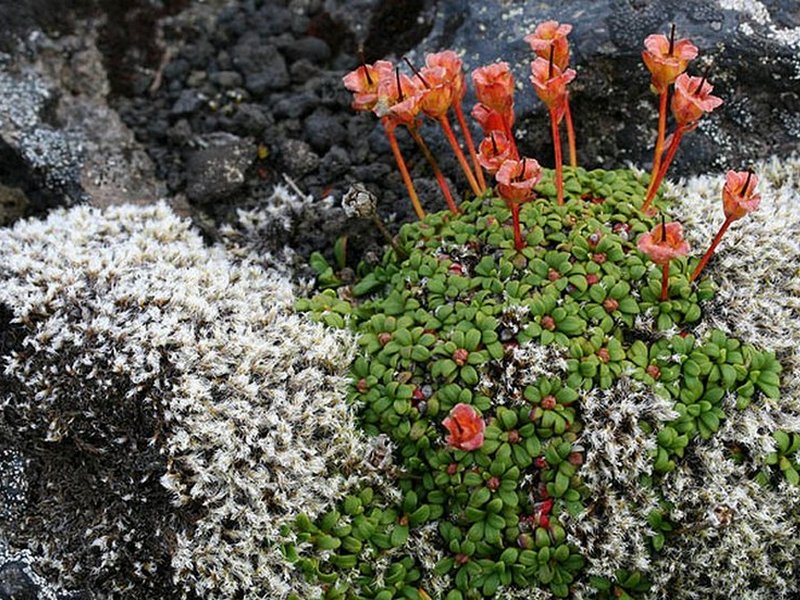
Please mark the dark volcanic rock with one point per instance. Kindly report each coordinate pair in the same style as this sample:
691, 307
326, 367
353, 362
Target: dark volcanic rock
218, 170
296, 105
755, 65
15, 584
187, 103
323, 130
262, 66
309, 48
13, 204
298, 157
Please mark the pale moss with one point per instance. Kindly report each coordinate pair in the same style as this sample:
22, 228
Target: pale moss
256, 426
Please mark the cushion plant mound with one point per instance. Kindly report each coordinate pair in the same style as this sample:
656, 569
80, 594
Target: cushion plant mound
603, 406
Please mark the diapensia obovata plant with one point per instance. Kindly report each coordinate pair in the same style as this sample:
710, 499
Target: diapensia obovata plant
438, 88
498, 361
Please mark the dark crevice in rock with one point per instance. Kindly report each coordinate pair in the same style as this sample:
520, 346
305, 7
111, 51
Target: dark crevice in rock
15, 173
129, 42
11, 334
395, 28
21, 17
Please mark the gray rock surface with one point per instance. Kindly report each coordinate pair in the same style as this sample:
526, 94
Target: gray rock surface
13, 484
15, 583
56, 129
19, 579
754, 47
13, 204
217, 170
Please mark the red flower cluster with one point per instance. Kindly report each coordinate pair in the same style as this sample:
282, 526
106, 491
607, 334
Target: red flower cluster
667, 59
439, 86
516, 179
550, 75
663, 244
398, 99
739, 199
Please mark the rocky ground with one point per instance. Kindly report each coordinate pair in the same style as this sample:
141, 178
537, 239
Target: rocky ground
211, 104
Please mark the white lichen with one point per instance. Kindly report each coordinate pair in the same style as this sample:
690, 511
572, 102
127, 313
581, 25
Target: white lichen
256, 426
613, 532
734, 538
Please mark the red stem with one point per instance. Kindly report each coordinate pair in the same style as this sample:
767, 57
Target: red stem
401, 164
573, 156
462, 160
662, 131
665, 282
519, 243
710, 252
436, 170
673, 148
511, 139
557, 149
462, 123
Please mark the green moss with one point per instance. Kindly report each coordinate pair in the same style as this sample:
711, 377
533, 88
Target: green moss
439, 328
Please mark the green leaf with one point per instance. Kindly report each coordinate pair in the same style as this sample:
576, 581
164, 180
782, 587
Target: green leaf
420, 354
663, 322
399, 535
340, 252
629, 306
318, 263
561, 484
770, 391
480, 497
419, 516
509, 498
572, 326
328, 542
444, 566
597, 293
658, 542
792, 476
783, 441
508, 417
710, 420
469, 375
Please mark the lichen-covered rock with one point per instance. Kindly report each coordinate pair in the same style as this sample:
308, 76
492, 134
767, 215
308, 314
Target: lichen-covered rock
753, 46
56, 128
176, 411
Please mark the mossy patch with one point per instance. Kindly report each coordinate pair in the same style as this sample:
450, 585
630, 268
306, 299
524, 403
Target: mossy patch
465, 318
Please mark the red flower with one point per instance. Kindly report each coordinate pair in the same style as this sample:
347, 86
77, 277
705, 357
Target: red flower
466, 428
363, 82
692, 99
494, 87
449, 61
662, 246
495, 149
517, 178
551, 34
550, 82
490, 120
664, 61
436, 97
398, 98
738, 194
